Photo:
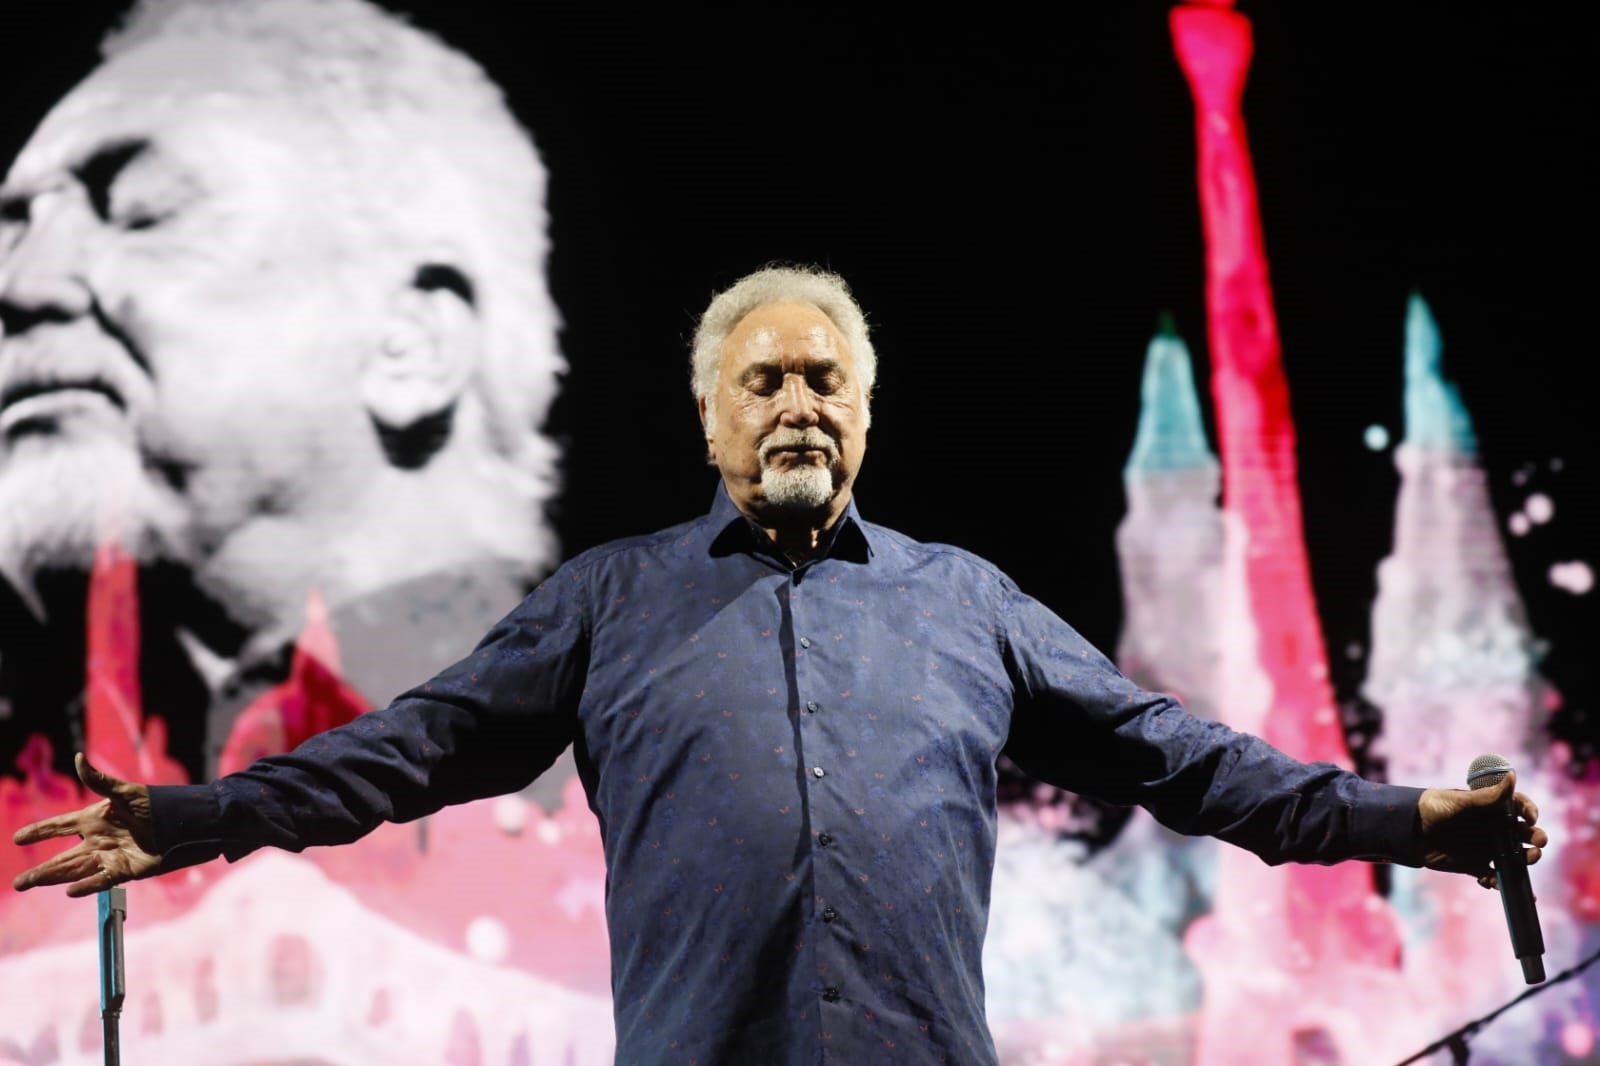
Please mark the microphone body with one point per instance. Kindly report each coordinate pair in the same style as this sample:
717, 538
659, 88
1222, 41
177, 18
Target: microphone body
1511, 872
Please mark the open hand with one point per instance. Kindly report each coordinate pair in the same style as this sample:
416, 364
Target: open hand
1459, 828
117, 841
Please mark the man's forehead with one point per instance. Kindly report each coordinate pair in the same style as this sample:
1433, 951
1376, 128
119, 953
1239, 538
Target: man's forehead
138, 96
777, 329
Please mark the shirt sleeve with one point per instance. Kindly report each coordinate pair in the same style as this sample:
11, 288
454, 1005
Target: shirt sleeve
1079, 724
486, 726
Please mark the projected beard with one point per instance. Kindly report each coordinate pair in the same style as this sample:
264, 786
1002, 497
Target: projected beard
71, 479
800, 470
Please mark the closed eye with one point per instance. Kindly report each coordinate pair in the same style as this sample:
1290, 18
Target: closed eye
763, 380
825, 380
143, 220
99, 172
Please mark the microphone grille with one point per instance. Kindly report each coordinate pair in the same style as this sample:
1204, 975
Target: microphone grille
1487, 771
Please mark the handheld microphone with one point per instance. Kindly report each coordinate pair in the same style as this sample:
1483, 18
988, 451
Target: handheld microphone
1511, 871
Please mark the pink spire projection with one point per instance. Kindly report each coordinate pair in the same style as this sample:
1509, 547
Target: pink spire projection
1274, 937
1251, 394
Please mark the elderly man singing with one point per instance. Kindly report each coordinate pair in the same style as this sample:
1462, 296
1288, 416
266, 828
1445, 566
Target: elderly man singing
787, 720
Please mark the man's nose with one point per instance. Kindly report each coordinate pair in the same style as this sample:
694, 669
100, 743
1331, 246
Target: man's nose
41, 276
799, 402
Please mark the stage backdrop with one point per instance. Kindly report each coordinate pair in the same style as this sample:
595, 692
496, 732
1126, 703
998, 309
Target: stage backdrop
1248, 340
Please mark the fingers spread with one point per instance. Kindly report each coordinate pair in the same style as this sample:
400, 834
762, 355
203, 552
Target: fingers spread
70, 865
62, 825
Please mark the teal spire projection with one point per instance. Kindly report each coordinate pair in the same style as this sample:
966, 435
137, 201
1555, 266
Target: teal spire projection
1436, 419
1171, 433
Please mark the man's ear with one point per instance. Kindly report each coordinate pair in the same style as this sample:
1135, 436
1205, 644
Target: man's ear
428, 349
706, 415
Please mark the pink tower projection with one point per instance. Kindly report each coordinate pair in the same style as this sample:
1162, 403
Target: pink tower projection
1277, 940
1453, 667
1170, 542
1452, 663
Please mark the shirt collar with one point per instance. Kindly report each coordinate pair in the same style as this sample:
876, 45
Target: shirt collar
731, 532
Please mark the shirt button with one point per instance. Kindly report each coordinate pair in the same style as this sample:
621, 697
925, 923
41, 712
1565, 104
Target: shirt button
811, 705
825, 839
829, 914
830, 994
805, 642
816, 771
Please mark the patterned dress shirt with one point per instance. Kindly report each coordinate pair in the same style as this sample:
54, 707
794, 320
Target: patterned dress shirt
794, 771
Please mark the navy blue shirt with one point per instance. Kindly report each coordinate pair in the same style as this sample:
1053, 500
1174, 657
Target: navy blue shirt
794, 770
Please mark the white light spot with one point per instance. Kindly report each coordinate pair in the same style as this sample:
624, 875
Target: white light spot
510, 815
487, 939
1518, 524
1376, 437
1539, 508
1576, 577
1521, 475
548, 832
1556, 464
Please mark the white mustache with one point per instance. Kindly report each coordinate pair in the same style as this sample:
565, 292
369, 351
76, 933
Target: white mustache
798, 440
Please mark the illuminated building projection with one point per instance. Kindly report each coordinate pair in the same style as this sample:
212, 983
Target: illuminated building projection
378, 951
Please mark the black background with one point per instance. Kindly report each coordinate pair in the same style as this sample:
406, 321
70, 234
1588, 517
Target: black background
1014, 201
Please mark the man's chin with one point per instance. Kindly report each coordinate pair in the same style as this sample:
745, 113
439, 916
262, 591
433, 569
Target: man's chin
798, 495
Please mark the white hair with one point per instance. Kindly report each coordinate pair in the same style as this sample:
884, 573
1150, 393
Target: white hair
774, 284
427, 159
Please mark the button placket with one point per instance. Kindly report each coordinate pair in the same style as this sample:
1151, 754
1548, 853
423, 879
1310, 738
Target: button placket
817, 665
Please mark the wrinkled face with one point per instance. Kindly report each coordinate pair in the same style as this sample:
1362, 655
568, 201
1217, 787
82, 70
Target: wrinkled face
181, 335
788, 426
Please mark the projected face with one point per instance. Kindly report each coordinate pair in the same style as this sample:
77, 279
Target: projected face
789, 426
181, 325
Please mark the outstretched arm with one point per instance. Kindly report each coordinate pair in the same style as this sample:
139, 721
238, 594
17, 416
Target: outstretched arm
1081, 725
117, 839
487, 725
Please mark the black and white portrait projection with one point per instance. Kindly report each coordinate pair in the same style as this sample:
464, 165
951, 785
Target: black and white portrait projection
1248, 340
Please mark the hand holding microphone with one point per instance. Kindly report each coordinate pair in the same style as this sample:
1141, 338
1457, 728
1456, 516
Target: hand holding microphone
1482, 832
1511, 867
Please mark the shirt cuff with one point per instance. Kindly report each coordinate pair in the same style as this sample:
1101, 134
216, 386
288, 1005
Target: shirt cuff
186, 822
1386, 824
